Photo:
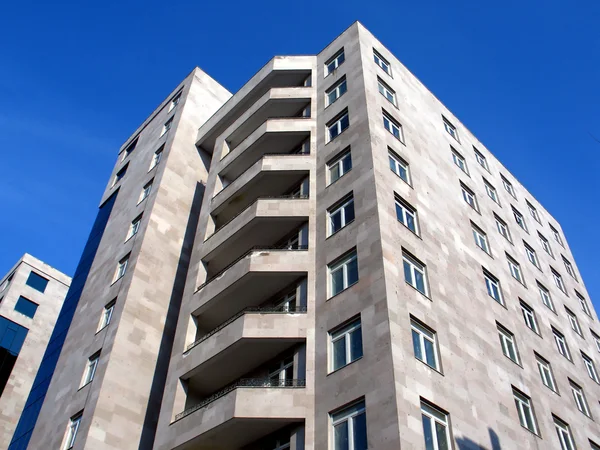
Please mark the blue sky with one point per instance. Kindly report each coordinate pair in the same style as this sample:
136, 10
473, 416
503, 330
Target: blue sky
77, 78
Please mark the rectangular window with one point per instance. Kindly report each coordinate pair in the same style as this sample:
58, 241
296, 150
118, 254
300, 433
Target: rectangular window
531, 255
596, 339
26, 307
459, 161
563, 432
107, 313
525, 411
545, 295
515, 269
72, 430
407, 215
507, 342
556, 235
346, 345
120, 174
590, 366
415, 273
343, 273
493, 287
436, 427
584, 305
381, 62
546, 374
469, 197
398, 166
145, 191
545, 244
130, 148
336, 61
569, 267
519, 219
534, 213
491, 191
558, 280
175, 102
387, 92
339, 166
167, 126
508, 186
121, 268
340, 215
481, 239
335, 91
424, 344
6, 282
337, 126
529, 316
37, 282
134, 227
579, 398
450, 129
156, 157
350, 427
573, 321
561, 344
90, 368
481, 159
393, 126
502, 228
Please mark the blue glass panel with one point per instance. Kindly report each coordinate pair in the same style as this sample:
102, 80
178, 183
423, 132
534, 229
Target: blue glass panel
37, 282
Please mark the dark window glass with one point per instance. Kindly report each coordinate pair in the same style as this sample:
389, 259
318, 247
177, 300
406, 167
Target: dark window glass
37, 282
26, 307
12, 337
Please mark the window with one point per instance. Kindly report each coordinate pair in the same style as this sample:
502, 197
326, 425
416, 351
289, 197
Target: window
343, 273
107, 315
37, 282
561, 343
564, 434
519, 219
481, 239
5, 283
346, 345
72, 430
569, 267
406, 214
546, 374
381, 62
481, 159
558, 280
450, 129
507, 342
337, 126
335, 92
469, 197
414, 273
525, 411
579, 398
545, 295
145, 191
491, 191
134, 227
281, 372
533, 212
350, 427
156, 157
545, 244
424, 344
590, 366
175, 102
493, 287
121, 268
594, 446
584, 305
167, 126
508, 186
459, 161
515, 269
529, 316
556, 235
573, 321
387, 92
502, 228
393, 126
341, 214
90, 368
336, 61
531, 255
120, 174
130, 148
596, 340
26, 307
339, 166
436, 428
398, 166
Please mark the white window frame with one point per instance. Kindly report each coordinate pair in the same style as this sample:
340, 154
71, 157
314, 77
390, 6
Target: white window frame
529, 317
591, 367
573, 321
72, 430
459, 161
425, 334
175, 101
525, 411
507, 341
481, 160
450, 129
492, 285
338, 162
156, 157
339, 89
580, 400
388, 93
565, 437
120, 174
342, 264
558, 280
502, 228
382, 62
583, 303
546, 374
90, 369
282, 371
121, 268
481, 239
545, 244
146, 190
415, 267
596, 338
332, 64
134, 227
546, 297
405, 211
107, 314
167, 126
397, 165
469, 197
569, 268
561, 344
337, 126
344, 332
393, 126
491, 191
341, 208
515, 269
531, 255
347, 414
519, 219
508, 187
534, 212
436, 417
130, 147
556, 235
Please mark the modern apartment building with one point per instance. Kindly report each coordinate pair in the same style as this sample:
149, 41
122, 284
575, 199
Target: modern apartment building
31, 295
327, 259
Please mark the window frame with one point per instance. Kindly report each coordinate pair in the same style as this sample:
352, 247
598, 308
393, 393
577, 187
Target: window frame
347, 413
342, 263
381, 62
583, 304
338, 160
384, 89
580, 399
72, 430
107, 314
502, 225
436, 416
492, 280
120, 175
545, 294
128, 150
529, 317
407, 211
481, 236
134, 227
558, 280
533, 212
341, 208
569, 268
335, 60
393, 126
564, 348
531, 255
545, 244
468, 193
156, 157
175, 101
338, 123
344, 331
90, 369
450, 129
519, 219
506, 336
459, 160
337, 89
491, 191
481, 159
515, 269
590, 367
508, 186
122, 266
167, 126
525, 411
548, 374
425, 333
556, 236
574, 322
416, 266
563, 431
146, 191
398, 161
25, 306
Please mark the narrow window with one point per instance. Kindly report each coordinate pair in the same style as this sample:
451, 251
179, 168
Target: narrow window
393, 126
175, 102
546, 298
529, 317
107, 313
515, 269
156, 157
387, 92
558, 280
337, 126
546, 374
569, 268
335, 91
584, 305
590, 366
508, 186
90, 368
519, 219
561, 344
502, 228
556, 235
350, 427
573, 321
134, 227
450, 129
579, 398
459, 161
346, 345
406, 214
334, 62
282, 372
531, 255
424, 344
341, 214
534, 213
398, 166
145, 191
596, 339
120, 174
469, 197
72, 430
415, 273
493, 287
121, 268
436, 427
36, 281
491, 191
130, 148
343, 273
563, 431
26, 307
481, 239
339, 166
167, 126
545, 244
525, 411
481, 159
381, 62
507, 342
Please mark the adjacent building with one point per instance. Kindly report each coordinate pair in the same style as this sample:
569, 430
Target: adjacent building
31, 295
327, 259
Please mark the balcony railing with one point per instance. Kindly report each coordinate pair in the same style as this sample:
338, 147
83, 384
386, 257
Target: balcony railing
245, 383
249, 252
249, 310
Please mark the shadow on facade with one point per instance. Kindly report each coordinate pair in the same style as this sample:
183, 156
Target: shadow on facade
467, 444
